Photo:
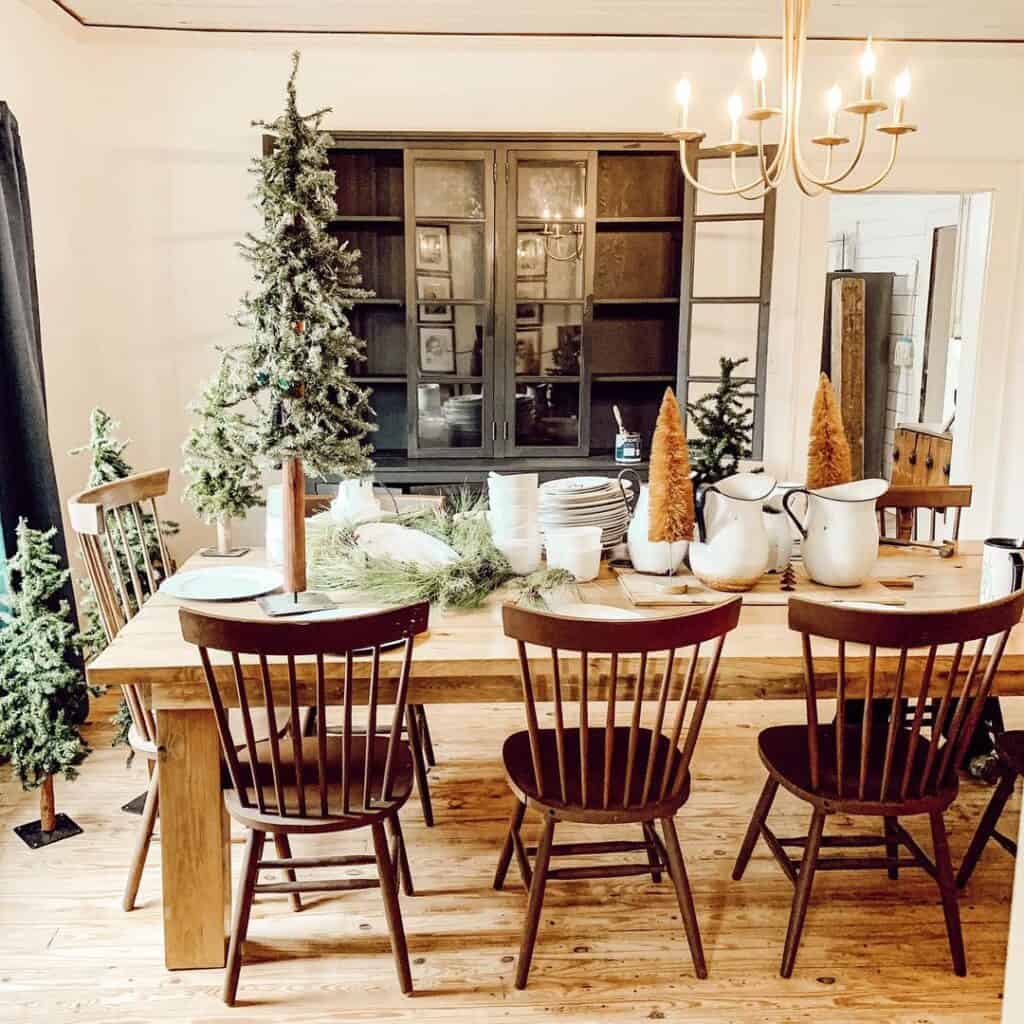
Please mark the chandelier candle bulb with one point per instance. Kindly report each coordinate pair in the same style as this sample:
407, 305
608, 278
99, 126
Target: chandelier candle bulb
735, 111
683, 99
758, 70
902, 90
867, 67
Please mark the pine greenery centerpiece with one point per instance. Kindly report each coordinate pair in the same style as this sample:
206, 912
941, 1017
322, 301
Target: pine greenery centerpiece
44, 697
224, 478
301, 407
725, 424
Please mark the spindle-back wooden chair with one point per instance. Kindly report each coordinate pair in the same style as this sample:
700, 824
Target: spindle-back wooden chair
312, 784
1010, 751
908, 500
109, 521
417, 728
606, 773
855, 767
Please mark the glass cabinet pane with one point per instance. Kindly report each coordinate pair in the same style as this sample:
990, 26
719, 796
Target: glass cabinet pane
551, 189
449, 415
727, 258
449, 188
547, 414
548, 339
723, 329
451, 257
451, 340
541, 268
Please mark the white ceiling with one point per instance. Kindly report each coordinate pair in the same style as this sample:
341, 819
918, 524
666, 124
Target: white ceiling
897, 19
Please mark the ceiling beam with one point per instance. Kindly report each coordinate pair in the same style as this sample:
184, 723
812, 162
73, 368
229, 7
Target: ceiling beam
226, 30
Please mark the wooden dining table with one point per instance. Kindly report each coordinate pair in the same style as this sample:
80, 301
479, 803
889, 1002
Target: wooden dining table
464, 658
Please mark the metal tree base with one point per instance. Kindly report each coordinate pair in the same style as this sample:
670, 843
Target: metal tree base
230, 553
136, 805
32, 835
276, 605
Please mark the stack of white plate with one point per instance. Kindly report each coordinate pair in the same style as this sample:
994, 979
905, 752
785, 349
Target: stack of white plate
513, 519
585, 501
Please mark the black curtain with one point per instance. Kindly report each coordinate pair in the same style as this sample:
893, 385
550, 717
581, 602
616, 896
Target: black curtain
28, 486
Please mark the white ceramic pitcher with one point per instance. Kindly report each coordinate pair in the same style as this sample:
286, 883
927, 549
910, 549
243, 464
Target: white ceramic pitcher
732, 548
840, 532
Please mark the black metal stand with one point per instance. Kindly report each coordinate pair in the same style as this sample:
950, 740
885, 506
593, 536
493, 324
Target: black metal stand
214, 553
275, 605
35, 838
136, 805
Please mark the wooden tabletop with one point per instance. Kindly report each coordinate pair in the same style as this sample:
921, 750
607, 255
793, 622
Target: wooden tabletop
466, 658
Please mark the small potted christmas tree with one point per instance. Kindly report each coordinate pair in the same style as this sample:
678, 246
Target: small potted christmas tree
302, 409
724, 422
44, 697
225, 480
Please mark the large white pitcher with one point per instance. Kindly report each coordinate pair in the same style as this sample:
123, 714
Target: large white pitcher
732, 548
840, 534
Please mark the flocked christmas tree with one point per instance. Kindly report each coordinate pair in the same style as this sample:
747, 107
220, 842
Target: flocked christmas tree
301, 407
671, 490
724, 421
828, 451
225, 480
43, 694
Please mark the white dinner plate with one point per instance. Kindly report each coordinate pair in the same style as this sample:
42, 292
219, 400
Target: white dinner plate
576, 485
583, 610
221, 583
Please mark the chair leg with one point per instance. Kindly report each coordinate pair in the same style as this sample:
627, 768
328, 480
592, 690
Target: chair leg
802, 894
243, 908
764, 805
142, 841
428, 743
404, 872
652, 851
987, 825
514, 825
948, 891
419, 765
536, 902
685, 897
284, 851
892, 848
392, 910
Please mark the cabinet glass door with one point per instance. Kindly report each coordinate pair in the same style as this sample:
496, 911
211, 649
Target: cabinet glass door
547, 303
449, 210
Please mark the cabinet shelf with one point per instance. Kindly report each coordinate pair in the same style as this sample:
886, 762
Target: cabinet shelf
378, 301
634, 378
388, 378
357, 218
664, 300
638, 220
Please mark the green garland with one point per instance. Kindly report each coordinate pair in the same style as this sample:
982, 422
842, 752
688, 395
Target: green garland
337, 563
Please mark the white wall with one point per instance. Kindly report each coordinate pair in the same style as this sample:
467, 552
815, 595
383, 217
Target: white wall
156, 188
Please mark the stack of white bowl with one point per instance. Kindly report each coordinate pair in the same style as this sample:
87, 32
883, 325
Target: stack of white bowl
513, 519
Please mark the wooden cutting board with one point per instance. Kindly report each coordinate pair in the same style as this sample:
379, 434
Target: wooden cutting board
646, 591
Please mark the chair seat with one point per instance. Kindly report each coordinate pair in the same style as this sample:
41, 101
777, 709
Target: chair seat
519, 771
1010, 746
335, 819
783, 750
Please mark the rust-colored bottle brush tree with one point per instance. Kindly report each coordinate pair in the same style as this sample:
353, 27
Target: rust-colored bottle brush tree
671, 489
828, 451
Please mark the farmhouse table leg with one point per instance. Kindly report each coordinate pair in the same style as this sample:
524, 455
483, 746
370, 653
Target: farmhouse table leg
194, 840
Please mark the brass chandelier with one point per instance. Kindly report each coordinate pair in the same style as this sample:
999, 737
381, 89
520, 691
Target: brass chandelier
789, 152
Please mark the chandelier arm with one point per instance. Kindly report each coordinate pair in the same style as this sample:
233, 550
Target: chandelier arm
764, 187
854, 189
707, 188
826, 181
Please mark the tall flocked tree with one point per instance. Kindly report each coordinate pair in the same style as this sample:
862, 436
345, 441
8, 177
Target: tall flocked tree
225, 479
44, 697
671, 490
828, 451
724, 419
301, 406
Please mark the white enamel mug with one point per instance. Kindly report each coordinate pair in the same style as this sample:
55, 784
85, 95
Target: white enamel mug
1002, 567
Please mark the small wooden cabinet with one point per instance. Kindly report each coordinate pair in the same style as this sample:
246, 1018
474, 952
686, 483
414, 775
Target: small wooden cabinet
492, 342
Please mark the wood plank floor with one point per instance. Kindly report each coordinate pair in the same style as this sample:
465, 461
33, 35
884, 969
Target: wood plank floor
873, 950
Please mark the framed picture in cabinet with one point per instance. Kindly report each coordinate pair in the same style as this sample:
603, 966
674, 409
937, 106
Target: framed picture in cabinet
432, 249
528, 352
531, 256
434, 287
437, 349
